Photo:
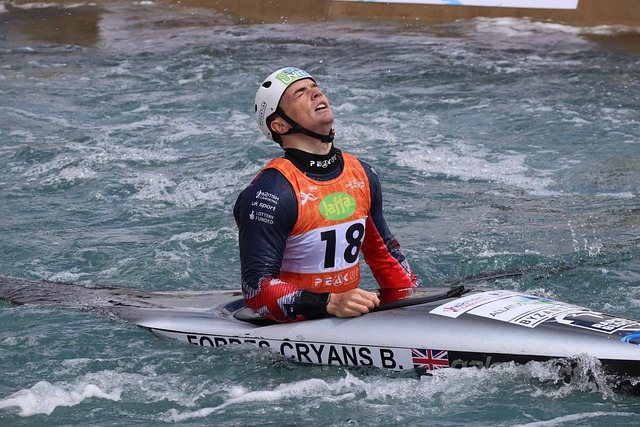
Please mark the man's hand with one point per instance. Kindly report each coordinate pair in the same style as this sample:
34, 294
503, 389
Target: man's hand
352, 303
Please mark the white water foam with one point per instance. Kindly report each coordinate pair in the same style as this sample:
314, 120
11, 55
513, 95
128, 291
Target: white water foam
207, 188
526, 28
522, 27
626, 195
145, 387
426, 396
79, 162
206, 235
572, 419
44, 397
313, 387
472, 162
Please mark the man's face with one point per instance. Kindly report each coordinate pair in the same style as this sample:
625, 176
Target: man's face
305, 103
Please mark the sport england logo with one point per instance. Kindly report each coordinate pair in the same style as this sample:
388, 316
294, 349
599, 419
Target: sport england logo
337, 206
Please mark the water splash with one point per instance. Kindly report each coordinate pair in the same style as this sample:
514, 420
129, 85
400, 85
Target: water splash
44, 397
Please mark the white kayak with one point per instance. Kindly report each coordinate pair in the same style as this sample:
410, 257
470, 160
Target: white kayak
420, 329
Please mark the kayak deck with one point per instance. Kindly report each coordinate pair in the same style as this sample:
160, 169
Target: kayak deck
419, 329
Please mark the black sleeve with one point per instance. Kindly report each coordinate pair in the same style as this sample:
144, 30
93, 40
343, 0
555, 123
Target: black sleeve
266, 212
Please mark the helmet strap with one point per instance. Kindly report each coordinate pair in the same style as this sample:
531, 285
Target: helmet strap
296, 128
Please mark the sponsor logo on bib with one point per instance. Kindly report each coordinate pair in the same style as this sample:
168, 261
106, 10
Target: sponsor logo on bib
337, 206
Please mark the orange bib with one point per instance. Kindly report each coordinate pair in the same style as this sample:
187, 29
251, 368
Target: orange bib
323, 250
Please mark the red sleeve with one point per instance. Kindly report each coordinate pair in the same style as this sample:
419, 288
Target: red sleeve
274, 299
380, 248
386, 261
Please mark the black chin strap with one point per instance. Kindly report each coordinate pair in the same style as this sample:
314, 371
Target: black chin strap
296, 128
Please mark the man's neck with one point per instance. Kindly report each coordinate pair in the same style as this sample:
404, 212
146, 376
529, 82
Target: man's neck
316, 164
307, 144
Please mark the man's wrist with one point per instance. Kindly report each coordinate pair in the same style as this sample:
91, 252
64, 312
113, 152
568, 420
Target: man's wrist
313, 305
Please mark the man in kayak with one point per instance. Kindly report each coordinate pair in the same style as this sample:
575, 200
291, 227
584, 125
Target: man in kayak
306, 216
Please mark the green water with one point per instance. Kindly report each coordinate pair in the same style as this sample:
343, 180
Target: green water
127, 132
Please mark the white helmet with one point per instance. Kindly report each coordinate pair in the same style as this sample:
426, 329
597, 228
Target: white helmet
270, 92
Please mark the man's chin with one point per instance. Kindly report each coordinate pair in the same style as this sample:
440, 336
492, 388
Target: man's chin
327, 121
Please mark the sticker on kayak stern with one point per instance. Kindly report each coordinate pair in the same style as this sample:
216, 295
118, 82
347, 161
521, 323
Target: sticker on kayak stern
633, 338
600, 322
465, 304
523, 310
507, 306
530, 311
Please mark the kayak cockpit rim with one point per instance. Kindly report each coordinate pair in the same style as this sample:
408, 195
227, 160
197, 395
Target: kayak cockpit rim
389, 299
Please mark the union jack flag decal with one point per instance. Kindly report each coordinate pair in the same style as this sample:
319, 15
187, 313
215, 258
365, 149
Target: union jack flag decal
429, 359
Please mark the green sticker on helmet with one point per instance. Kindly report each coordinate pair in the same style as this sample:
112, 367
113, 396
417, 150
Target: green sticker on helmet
291, 74
337, 206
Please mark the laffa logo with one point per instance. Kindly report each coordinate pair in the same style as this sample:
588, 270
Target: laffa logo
337, 206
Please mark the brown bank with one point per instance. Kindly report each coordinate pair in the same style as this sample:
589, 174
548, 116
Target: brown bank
416, 12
